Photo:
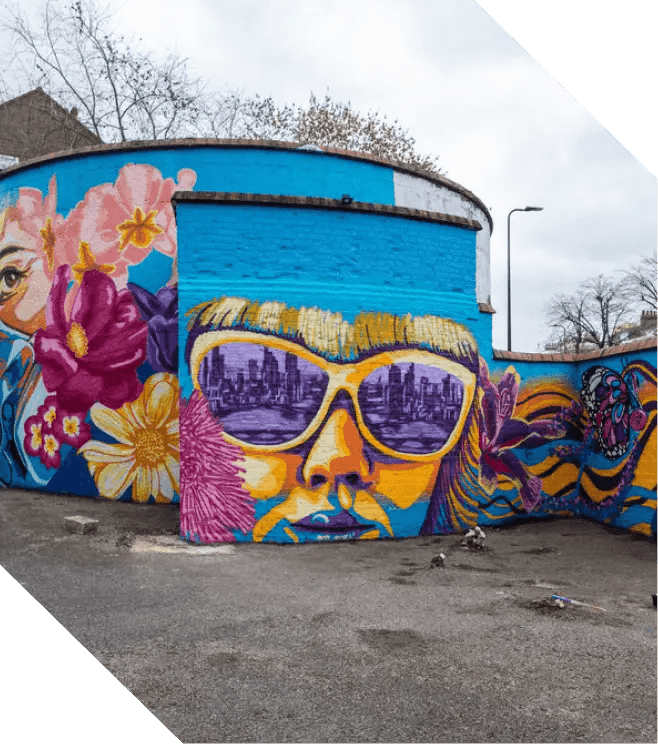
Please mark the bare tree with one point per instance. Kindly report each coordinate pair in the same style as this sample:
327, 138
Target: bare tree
594, 315
329, 123
565, 315
120, 93
641, 282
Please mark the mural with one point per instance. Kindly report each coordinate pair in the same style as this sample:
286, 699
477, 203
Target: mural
295, 424
89, 358
604, 467
392, 427
385, 427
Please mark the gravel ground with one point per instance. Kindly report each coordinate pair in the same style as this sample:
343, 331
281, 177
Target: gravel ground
354, 641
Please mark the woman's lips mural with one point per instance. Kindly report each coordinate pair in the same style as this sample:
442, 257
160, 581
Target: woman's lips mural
334, 523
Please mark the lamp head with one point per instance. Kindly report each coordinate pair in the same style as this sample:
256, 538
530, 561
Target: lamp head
533, 209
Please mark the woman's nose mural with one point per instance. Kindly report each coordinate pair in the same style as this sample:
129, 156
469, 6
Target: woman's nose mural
337, 455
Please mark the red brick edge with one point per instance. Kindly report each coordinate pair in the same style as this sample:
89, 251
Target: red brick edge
259, 145
312, 202
628, 347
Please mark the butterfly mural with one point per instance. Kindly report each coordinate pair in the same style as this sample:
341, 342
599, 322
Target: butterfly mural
612, 402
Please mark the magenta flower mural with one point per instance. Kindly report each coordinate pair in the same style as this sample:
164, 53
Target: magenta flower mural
501, 432
160, 312
124, 221
91, 356
213, 500
50, 428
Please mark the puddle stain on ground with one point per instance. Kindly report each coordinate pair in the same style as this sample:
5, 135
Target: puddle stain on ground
468, 567
395, 641
401, 581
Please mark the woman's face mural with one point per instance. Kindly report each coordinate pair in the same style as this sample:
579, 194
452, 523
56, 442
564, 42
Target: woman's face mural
24, 284
336, 446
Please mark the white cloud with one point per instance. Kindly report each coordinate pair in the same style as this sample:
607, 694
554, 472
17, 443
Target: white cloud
467, 91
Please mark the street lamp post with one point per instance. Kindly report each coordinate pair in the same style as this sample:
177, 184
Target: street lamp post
509, 273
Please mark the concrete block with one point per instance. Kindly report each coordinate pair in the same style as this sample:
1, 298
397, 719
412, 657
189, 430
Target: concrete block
80, 525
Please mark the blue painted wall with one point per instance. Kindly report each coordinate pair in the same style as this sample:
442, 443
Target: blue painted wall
347, 262
245, 170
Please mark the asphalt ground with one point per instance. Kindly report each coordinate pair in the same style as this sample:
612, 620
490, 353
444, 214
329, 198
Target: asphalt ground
360, 641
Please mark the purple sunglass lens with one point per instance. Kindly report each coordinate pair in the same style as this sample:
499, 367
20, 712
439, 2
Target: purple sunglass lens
411, 408
261, 395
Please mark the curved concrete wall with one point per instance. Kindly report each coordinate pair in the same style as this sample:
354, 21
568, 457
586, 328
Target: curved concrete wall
324, 317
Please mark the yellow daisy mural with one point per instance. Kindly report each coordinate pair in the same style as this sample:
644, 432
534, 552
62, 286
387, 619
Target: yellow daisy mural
146, 455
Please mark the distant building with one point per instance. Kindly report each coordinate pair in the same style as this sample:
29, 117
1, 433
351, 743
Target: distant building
645, 327
35, 124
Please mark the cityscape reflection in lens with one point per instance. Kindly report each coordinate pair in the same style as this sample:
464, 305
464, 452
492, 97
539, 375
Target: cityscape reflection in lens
262, 395
411, 408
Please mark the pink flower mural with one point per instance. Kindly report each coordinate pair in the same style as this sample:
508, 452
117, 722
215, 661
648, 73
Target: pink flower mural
64, 289
48, 231
124, 221
91, 356
213, 500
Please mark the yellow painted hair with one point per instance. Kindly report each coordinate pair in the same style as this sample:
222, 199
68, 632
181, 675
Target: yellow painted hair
330, 335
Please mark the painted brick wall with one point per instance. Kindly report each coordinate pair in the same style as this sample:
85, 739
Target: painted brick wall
336, 370
347, 262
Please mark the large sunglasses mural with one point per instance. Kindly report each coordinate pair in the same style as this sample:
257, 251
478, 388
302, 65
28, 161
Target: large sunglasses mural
393, 427
297, 425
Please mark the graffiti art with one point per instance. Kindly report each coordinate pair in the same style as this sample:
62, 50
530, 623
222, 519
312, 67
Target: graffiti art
89, 359
384, 427
296, 424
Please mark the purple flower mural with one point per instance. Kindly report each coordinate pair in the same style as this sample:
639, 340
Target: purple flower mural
160, 312
93, 355
501, 432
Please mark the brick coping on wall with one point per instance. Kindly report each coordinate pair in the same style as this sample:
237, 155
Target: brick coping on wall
313, 202
257, 145
627, 348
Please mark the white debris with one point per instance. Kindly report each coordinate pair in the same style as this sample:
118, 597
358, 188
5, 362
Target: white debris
173, 544
474, 538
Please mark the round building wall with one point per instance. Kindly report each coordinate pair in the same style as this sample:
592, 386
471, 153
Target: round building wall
324, 320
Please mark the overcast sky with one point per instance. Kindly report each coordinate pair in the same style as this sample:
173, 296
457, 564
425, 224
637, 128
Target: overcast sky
467, 91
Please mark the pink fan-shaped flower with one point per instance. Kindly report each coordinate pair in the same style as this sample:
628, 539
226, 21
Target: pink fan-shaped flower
124, 221
213, 500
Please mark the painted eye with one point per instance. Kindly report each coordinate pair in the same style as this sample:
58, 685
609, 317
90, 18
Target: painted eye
10, 278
